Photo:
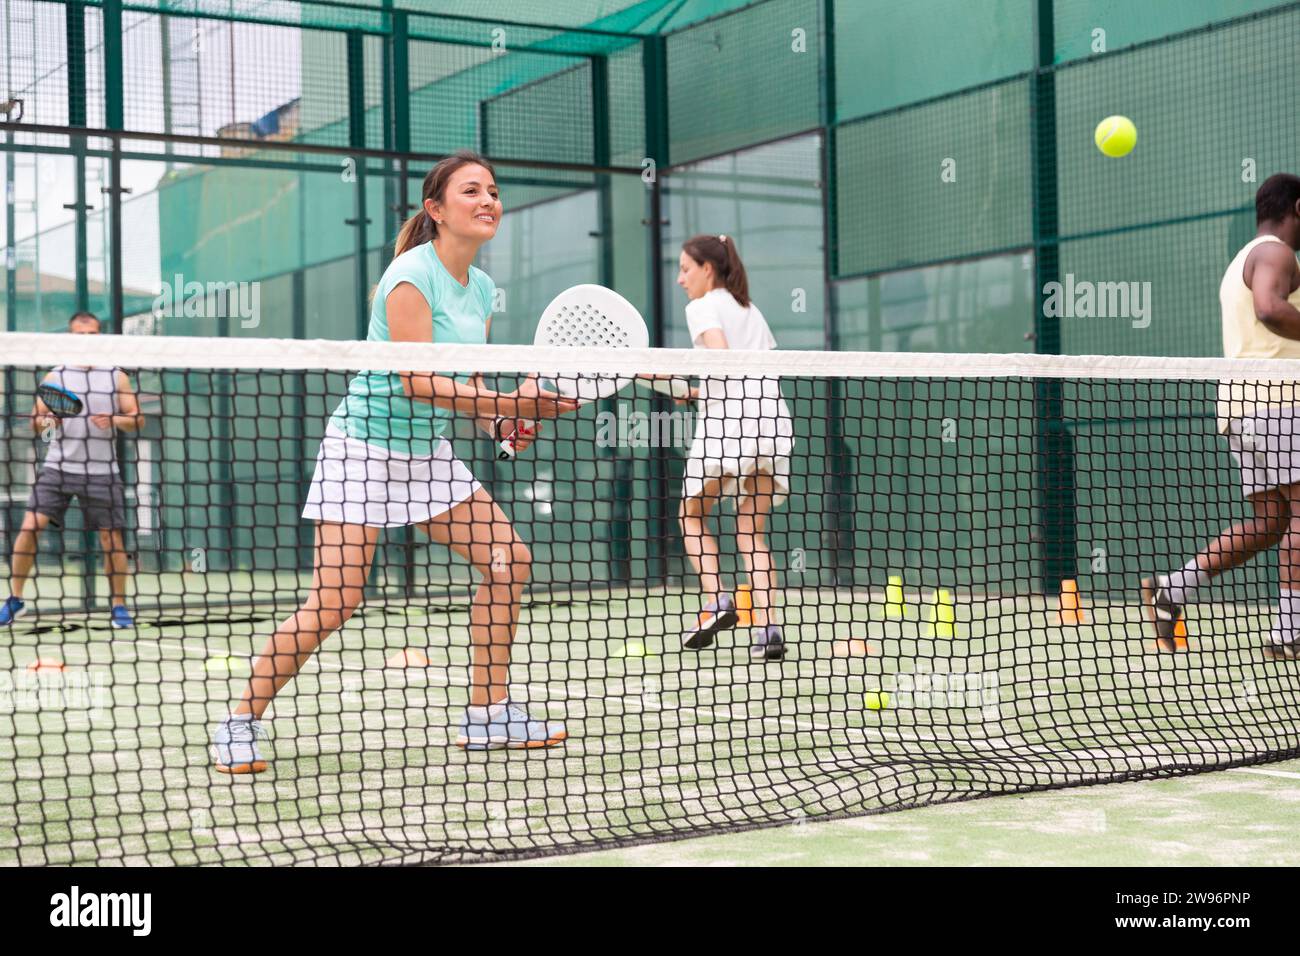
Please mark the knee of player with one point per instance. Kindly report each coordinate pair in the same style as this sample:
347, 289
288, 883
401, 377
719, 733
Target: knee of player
332, 609
510, 564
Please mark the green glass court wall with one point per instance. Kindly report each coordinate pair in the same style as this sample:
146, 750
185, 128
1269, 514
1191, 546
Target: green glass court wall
288, 221
929, 167
1206, 104
1007, 113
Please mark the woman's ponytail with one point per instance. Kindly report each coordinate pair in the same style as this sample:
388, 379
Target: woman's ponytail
720, 252
416, 231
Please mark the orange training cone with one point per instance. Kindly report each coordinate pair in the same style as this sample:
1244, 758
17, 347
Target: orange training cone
1071, 614
745, 605
1179, 639
411, 657
851, 648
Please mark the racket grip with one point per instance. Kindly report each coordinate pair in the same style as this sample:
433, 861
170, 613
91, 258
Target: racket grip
508, 443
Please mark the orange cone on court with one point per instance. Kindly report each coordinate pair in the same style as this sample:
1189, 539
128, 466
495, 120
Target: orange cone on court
853, 647
1072, 614
745, 605
1179, 639
411, 657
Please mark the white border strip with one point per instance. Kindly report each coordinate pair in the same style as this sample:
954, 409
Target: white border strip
1287, 775
180, 352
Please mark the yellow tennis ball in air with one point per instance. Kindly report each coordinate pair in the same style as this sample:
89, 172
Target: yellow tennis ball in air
1116, 136
877, 699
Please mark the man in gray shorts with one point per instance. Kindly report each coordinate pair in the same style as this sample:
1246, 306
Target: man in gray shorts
81, 463
1260, 304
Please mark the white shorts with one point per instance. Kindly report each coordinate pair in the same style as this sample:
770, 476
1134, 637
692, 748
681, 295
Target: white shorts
1266, 447
359, 483
734, 447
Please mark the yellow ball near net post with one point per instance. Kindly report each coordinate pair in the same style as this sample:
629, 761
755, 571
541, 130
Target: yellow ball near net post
1116, 136
876, 699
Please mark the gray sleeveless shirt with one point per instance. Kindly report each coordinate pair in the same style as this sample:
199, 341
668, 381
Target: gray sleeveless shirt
78, 447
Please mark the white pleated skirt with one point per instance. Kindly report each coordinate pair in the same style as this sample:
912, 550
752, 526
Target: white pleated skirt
737, 439
360, 483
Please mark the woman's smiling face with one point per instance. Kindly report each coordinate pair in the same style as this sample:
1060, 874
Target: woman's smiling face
471, 205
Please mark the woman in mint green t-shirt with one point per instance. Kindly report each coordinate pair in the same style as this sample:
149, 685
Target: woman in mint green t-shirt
384, 463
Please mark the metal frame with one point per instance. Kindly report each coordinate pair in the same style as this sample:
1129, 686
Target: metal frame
1053, 441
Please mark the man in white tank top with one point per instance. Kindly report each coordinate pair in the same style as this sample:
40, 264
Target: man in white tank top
1260, 301
80, 462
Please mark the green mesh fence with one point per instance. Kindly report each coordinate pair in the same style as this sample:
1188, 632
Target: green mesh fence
718, 70
939, 181
980, 43
1208, 138
1088, 27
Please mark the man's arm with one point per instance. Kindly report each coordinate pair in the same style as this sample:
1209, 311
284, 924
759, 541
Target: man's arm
1271, 282
128, 417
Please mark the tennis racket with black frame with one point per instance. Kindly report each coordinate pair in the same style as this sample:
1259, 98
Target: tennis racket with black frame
61, 402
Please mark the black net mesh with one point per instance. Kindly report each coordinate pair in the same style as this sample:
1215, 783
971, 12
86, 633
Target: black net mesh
885, 630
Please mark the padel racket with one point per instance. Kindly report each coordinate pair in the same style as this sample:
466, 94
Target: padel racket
587, 316
60, 402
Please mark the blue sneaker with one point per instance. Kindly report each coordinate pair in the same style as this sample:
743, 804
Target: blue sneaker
11, 610
235, 741
121, 617
718, 615
515, 730
768, 644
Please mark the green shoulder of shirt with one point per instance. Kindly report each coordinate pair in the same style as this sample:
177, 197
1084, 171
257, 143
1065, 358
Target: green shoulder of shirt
376, 409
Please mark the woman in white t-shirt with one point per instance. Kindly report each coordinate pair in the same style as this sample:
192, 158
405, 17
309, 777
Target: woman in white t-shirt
741, 451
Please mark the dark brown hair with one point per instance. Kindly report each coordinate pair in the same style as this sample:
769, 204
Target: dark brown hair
1276, 198
720, 252
421, 228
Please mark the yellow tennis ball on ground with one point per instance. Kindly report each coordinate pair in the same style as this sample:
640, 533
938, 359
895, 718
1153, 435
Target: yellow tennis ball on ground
219, 665
1116, 136
877, 699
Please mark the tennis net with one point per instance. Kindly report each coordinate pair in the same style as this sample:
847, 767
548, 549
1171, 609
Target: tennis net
955, 544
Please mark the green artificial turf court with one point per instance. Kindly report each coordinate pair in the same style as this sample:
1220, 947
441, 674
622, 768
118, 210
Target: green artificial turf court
662, 744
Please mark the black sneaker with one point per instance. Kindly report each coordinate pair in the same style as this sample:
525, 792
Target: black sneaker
718, 615
1163, 613
1283, 652
769, 646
